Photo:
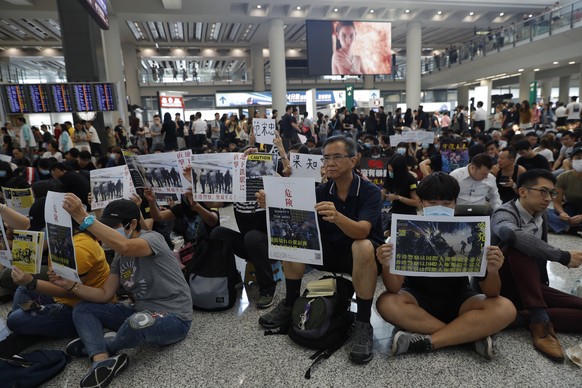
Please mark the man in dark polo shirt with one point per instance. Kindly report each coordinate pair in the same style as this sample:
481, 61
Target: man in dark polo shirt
289, 128
528, 158
349, 209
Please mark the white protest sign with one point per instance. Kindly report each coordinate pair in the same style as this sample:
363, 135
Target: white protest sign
264, 130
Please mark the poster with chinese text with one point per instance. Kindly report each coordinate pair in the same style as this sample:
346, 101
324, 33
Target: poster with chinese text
374, 169
437, 246
306, 165
264, 130
219, 177
27, 250
20, 200
292, 226
454, 156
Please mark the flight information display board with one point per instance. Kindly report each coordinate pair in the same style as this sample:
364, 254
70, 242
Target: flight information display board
105, 97
61, 98
83, 96
16, 98
39, 98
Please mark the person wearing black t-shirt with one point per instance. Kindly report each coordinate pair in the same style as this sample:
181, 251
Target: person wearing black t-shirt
400, 187
289, 128
528, 158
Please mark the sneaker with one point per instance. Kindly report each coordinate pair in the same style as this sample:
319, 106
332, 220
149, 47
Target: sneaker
279, 316
76, 348
102, 372
362, 343
266, 298
406, 342
484, 347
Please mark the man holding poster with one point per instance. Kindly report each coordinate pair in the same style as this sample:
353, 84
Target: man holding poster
435, 312
348, 211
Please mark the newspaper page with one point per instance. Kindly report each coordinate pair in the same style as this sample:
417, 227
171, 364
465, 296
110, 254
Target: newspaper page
264, 130
109, 184
59, 229
306, 165
20, 200
258, 165
293, 228
438, 246
27, 250
5, 252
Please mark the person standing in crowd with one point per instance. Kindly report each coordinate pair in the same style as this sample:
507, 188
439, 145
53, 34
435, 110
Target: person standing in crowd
157, 135
180, 130
573, 110
81, 137
199, 127
289, 128
121, 133
169, 131
94, 141
27, 141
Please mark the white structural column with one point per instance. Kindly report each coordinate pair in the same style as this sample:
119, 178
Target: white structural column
277, 60
525, 78
462, 96
413, 51
545, 87
131, 70
580, 85
485, 91
258, 64
114, 67
564, 89
368, 82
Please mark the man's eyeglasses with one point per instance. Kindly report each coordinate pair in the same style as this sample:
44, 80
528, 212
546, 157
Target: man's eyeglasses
545, 192
335, 158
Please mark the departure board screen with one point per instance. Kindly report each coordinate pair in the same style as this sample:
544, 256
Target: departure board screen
83, 96
39, 98
61, 98
16, 98
105, 97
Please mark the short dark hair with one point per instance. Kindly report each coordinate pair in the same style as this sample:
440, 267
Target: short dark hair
522, 145
492, 142
531, 177
74, 152
438, 186
349, 143
85, 155
482, 160
510, 152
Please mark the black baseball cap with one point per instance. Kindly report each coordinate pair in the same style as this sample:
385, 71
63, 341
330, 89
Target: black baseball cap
121, 211
577, 149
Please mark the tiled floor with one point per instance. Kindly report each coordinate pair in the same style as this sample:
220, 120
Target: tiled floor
228, 349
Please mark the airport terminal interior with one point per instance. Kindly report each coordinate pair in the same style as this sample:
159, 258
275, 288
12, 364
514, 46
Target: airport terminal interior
142, 58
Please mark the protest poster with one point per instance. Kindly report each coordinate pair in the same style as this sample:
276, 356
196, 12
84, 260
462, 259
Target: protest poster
258, 165
167, 199
163, 172
437, 246
292, 225
420, 137
109, 184
454, 156
219, 177
20, 200
27, 250
59, 229
374, 169
306, 165
5, 252
136, 171
264, 130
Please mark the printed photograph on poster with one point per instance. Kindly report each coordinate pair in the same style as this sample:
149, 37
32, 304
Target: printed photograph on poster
163, 172
306, 165
59, 228
27, 250
293, 229
219, 177
167, 199
5, 251
136, 171
258, 165
264, 130
437, 246
454, 156
374, 169
20, 200
109, 184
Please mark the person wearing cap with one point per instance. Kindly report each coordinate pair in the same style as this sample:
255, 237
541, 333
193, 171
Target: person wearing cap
567, 214
162, 312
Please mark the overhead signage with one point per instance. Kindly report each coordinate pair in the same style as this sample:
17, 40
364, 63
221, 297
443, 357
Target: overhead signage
171, 102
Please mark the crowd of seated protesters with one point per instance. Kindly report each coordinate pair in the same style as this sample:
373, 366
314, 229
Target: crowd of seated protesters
507, 170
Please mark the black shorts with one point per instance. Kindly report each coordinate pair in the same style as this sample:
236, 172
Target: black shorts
338, 258
443, 308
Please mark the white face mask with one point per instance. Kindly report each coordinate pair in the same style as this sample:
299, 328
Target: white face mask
577, 165
401, 151
439, 210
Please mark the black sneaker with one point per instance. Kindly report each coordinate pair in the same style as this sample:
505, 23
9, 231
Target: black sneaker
362, 342
102, 372
279, 316
406, 342
266, 298
76, 348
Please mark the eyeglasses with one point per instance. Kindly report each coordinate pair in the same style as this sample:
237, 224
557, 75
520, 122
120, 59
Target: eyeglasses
545, 192
335, 158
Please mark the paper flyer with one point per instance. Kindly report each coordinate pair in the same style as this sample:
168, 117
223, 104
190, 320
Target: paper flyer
109, 184
438, 246
59, 229
293, 228
27, 250
20, 200
306, 165
258, 166
5, 252
454, 156
219, 177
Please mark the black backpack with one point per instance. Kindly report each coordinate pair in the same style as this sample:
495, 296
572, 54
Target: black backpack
323, 323
32, 369
212, 275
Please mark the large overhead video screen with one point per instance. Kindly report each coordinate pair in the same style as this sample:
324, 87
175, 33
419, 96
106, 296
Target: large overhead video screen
98, 11
348, 48
16, 98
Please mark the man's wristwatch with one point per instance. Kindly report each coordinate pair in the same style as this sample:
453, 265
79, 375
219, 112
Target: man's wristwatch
32, 285
87, 222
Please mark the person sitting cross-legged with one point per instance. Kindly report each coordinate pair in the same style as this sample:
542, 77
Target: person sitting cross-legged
349, 210
436, 312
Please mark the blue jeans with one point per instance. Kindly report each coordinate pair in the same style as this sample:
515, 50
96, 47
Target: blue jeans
52, 320
557, 224
91, 318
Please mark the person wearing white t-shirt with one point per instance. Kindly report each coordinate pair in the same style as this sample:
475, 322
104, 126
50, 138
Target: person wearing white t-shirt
573, 110
53, 151
199, 128
479, 116
561, 115
94, 141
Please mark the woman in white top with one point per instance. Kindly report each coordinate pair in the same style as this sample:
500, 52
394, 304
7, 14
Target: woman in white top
53, 151
546, 149
81, 137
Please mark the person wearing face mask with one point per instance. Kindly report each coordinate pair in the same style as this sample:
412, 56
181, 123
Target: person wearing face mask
437, 312
116, 158
567, 214
145, 267
400, 187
